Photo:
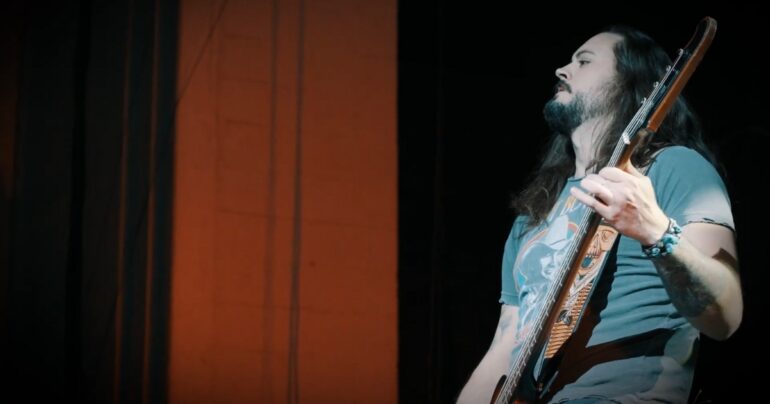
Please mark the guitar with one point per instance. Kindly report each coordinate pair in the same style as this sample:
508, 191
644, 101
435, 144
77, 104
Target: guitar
564, 307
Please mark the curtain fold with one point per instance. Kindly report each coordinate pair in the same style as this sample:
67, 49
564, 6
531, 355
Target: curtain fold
88, 272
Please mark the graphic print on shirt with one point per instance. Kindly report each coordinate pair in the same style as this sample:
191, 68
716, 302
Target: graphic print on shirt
541, 256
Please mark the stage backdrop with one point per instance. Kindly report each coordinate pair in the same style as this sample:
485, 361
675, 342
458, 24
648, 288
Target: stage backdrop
198, 201
284, 227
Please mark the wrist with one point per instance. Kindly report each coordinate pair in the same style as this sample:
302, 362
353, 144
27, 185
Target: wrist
664, 245
656, 230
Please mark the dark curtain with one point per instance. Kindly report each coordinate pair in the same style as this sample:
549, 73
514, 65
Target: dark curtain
88, 233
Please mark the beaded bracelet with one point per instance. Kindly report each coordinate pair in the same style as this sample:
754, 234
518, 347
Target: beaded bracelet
665, 245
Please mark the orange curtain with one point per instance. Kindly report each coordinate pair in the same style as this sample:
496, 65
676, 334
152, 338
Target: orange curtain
284, 236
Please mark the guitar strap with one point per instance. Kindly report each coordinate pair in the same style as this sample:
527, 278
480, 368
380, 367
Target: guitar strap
604, 243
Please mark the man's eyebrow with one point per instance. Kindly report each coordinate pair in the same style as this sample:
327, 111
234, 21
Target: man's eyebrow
579, 53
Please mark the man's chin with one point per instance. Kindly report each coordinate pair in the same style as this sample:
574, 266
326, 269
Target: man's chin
562, 117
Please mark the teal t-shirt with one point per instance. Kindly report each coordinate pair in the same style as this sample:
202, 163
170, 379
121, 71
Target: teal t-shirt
640, 347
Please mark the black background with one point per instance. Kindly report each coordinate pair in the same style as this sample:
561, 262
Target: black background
473, 78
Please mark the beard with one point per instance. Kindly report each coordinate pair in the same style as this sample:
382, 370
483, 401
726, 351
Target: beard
565, 118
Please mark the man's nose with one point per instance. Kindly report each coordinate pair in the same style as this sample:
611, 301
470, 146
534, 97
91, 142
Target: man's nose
561, 73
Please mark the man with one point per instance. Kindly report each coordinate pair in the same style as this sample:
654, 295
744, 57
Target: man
650, 305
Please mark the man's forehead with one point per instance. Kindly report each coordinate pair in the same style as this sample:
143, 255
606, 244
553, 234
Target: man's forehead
599, 45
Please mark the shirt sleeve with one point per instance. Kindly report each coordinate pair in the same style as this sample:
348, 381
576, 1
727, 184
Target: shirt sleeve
509, 294
689, 189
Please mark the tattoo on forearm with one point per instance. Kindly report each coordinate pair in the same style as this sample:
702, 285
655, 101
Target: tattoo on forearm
505, 321
504, 324
692, 296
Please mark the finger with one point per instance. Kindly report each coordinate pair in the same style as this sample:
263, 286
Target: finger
614, 174
597, 186
631, 169
590, 201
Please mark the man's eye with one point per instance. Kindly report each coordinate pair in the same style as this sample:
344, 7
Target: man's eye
583, 62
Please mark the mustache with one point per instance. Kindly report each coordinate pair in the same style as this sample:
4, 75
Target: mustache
561, 85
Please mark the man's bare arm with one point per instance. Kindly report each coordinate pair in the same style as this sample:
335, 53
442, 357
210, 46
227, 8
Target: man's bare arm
496, 361
701, 276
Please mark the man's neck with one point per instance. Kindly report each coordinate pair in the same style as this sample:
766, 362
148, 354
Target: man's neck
584, 143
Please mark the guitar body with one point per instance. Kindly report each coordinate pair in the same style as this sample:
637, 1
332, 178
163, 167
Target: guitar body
519, 395
526, 392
